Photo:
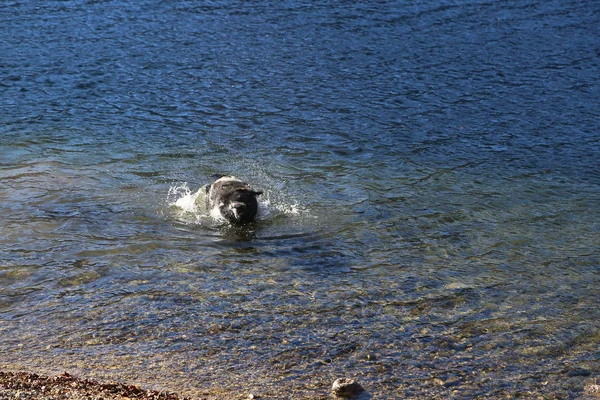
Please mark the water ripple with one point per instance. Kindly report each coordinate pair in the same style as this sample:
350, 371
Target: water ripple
430, 182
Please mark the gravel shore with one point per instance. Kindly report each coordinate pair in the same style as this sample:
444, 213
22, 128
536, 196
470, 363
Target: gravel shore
30, 386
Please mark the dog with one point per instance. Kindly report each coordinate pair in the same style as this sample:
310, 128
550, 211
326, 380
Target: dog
232, 199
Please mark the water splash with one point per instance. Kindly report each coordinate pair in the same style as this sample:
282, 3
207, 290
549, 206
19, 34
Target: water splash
189, 203
182, 197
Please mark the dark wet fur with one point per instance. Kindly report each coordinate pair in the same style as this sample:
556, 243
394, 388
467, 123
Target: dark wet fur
237, 194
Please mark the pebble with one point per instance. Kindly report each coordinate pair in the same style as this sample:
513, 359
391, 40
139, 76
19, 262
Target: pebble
346, 387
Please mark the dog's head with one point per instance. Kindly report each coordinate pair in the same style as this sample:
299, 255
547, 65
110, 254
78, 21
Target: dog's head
235, 199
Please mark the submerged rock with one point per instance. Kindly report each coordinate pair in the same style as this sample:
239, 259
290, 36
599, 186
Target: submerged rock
346, 387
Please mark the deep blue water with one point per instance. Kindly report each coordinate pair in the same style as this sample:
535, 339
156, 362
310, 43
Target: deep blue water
431, 216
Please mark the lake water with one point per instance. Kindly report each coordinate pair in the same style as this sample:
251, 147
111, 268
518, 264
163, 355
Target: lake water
430, 222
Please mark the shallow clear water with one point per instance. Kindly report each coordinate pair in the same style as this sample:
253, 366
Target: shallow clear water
431, 216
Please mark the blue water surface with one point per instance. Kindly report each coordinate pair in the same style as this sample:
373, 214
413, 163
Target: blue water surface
430, 222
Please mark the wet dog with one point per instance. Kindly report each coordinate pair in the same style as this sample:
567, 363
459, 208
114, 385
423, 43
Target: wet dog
232, 199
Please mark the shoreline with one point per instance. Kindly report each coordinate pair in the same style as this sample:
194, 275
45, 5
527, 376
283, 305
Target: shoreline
25, 385
29, 386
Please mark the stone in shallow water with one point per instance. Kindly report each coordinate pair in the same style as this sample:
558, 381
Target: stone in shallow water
579, 372
346, 387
